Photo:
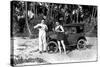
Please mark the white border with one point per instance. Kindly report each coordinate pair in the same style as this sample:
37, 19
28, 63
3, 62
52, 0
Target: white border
5, 32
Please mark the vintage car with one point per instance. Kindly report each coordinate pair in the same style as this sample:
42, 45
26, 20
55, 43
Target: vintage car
74, 36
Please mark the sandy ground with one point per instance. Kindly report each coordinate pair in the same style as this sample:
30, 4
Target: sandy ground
29, 48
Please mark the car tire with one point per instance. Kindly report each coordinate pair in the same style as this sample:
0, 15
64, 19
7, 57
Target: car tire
52, 47
81, 44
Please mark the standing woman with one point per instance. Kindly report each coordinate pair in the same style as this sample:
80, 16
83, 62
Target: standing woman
60, 38
42, 36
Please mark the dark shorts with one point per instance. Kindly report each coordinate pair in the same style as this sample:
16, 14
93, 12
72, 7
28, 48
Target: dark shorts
60, 36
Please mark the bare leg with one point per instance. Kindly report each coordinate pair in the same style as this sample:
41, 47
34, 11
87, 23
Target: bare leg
59, 46
62, 42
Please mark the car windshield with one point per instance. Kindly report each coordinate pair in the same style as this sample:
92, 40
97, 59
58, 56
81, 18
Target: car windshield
77, 29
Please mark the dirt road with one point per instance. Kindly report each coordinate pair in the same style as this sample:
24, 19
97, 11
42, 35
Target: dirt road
28, 48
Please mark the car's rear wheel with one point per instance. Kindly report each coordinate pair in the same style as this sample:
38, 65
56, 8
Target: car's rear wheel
52, 47
81, 44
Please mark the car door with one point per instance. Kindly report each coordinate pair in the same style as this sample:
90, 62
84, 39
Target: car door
73, 36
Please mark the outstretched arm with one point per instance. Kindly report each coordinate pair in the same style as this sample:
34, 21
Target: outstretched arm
36, 26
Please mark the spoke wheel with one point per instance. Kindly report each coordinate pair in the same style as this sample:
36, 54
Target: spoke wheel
81, 44
52, 47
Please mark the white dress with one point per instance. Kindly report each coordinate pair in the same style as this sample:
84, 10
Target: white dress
42, 36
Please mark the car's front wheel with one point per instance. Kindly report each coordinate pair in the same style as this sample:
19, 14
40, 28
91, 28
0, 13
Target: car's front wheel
81, 44
52, 47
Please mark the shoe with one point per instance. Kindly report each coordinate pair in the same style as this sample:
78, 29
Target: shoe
40, 52
64, 51
60, 52
44, 51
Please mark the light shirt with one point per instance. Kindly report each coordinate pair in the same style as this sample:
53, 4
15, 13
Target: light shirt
41, 27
